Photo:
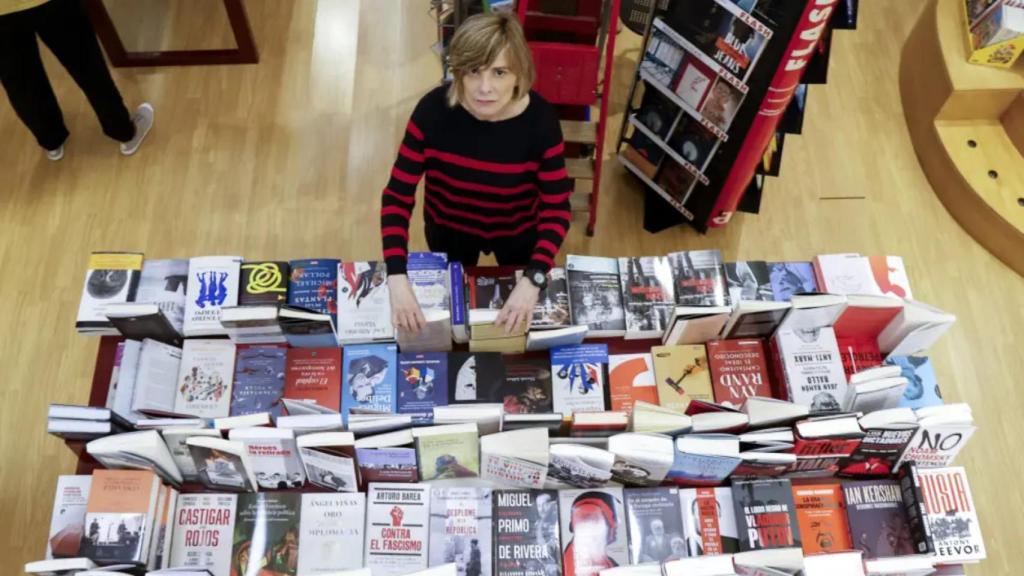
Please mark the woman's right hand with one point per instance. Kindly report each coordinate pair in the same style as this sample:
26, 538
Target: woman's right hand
405, 309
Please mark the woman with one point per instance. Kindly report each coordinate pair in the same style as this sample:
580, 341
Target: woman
492, 153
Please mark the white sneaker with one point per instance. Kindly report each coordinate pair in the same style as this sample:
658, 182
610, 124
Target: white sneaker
55, 154
143, 120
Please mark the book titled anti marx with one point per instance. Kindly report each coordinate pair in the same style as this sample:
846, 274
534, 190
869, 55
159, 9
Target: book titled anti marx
397, 518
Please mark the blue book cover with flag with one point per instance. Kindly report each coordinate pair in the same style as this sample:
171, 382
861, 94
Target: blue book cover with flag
313, 285
422, 384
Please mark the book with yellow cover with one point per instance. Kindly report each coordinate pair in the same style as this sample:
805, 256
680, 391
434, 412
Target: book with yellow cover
449, 451
681, 373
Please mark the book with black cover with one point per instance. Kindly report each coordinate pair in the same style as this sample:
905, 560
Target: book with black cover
765, 514
264, 282
647, 295
655, 525
693, 141
748, 280
527, 387
723, 31
657, 113
699, 278
526, 533
475, 377
267, 534
552, 309
595, 298
878, 522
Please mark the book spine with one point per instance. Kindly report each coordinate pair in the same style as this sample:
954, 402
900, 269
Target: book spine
913, 506
456, 288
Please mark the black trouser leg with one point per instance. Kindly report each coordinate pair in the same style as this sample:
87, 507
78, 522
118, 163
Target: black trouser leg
458, 246
24, 78
515, 250
65, 28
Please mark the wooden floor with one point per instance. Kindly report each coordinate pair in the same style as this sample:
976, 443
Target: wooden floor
286, 159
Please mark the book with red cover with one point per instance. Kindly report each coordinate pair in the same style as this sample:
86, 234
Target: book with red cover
821, 514
738, 370
858, 354
314, 374
865, 317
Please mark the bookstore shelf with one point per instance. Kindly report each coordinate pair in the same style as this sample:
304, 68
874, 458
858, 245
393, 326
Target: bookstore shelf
695, 171
700, 55
661, 192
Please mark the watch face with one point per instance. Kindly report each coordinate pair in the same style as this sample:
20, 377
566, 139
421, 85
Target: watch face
538, 278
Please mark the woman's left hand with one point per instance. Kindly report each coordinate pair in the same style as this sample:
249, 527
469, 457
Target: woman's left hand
519, 308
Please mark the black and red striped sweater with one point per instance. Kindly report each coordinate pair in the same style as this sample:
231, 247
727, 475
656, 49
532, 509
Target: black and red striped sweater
487, 179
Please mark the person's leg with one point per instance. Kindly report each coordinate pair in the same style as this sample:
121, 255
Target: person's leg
459, 247
24, 78
65, 28
515, 250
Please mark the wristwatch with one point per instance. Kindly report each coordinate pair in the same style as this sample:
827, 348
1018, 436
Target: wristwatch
537, 278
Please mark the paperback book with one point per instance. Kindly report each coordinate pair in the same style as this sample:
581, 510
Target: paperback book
112, 278
475, 377
709, 522
813, 371
593, 530
738, 370
765, 514
259, 380
266, 539
163, 283
878, 523
203, 530
119, 517
682, 375
654, 522
369, 378
527, 386
422, 385
748, 280
699, 278
313, 285
364, 303
460, 529
273, 455
631, 380
922, 388
67, 521
821, 514
526, 533
212, 284
451, 451
313, 380
552, 309
646, 295
205, 378
397, 528
329, 460
578, 378
331, 533
789, 278
387, 464
595, 298
951, 515
264, 282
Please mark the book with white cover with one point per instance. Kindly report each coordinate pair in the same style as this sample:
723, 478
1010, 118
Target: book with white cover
914, 329
163, 283
943, 431
813, 368
578, 466
212, 283
460, 528
364, 303
205, 378
848, 273
695, 324
274, 456
156, 377
203, 529
332, 531
67, 521
142, 450
654, 418
175, 438
112, 278
59, 566
329, 458
874, 395
222, 464
397, 520
516, 458
772, 411
718, 565
641, 459
833, 564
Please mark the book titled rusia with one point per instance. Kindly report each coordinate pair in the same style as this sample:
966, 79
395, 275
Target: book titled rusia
397, 520
951, 515
526, 541
202, 532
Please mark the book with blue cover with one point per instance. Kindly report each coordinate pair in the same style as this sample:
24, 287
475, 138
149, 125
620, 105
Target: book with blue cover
578, 378
422, 384
922, 388
314, 286
259, 380
789, 278
428, 274
368, 378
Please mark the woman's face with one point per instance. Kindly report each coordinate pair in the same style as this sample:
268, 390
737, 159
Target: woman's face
487, 92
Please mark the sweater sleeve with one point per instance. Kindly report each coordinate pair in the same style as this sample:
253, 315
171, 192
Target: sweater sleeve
555, 188
399, 196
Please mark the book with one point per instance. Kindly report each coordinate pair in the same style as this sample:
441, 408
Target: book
526, 533
593, 526
140, 321
212, 284
703, 459
429, 276
951, 515
331, 533
914, 329
67, 521
450, 451
942, 432
552, 309
658, 114
111, 278
858, 354
846, 273
821, 515
329, 460
263, 282
654, 524
487, 417
887, 434
253, 324
878, 522
205, 378
273, 455
141, 450
313, 379
755, 319
647, 295
313, 285
303, 328
699, 278
119, 516
765, 514
654, 418
516, 458
176, 440
790, 278
475, 377
222, 464
597, 424
694, 79
922, 387
874, 395
578, 466
723, 31
422, 385
527, 386
245, 421
813, 372
914, 507
546, 339
595, 298
696, 324
364, 303
709, 523
59, 566
202, 532
641, 459
682, 375
369, 378
738, 370
259, 380
631, 379
690, 138
394, 464
846, 563
748, 280
460, 529
578, 378
309, 423
397, 528
488, 287
267, 529
155, 379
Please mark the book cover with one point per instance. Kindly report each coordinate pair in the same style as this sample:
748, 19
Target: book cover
789, 278
460, 529
552, 309
331, 533
578, 466
654, 525
428, 274
313, 285
119, 516
313, 375
212, 284
527, 386
578, 379
878, 522
662, 58
722, 103
877, 453
693, 81
112, 278
152, 376
330, 468
475, 377
699, 278
67, 521
693, 468
205, 378
765, 514
738, 370
163, 283
748, 280
936, 445
922, 388
259, 380
681, 373
724, 32
914, 507
397, 520
691, 140
387, 464
812, 368
646, 295
275, 460
526, 533
631, 380
821, 514
364, 302
593, 530
675, 180
220, 470
951, 515
858, 354
595, 298
488, 287
264, 282
266, 540
454, 455
369, 378
656, 113
203, 529
422, 385
709, 521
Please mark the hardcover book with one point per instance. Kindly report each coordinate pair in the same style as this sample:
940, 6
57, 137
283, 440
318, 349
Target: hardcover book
654, 525
699, 278
765, 514
475, 377
259, 380
331, 534
397, 520
112, 278
313, 285
267, 531
460, 529
205, 378
578, 378
681, 372
422, 385
878, 522
709, 522
526, 534
646, 295
364, 303
748, 280
821, 514
951, 515
812, 369
119, 516
738, 370
313, 377
595, 298
264, 282
203, 529
369, 378
212, 284
163, 283
67, 521
922, 388
387, 464
593, 530
631, 380
789, 278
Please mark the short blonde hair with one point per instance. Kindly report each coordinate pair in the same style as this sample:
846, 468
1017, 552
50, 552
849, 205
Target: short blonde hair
477, 43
